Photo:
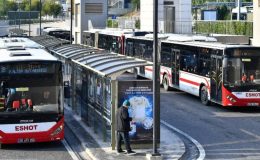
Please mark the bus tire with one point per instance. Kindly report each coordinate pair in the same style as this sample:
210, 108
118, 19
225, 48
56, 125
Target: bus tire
165, 83
204, 96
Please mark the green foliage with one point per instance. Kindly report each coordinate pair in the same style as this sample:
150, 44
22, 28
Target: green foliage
224, 27
223, 12
6, 6
51, 8
199, 2
136, 4
137, 24
11, 6
46, 9
56, 9
35, 5
112, 23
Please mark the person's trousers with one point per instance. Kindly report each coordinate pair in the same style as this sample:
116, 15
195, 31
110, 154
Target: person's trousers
123, 136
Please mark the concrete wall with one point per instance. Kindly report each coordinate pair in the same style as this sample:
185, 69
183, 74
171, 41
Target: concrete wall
183, 15
87, 20
256, 23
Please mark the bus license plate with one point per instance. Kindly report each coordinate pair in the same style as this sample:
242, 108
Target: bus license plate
25, 140
252, 104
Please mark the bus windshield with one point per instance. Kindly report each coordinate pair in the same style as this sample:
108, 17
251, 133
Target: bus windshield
35, 91
241, 71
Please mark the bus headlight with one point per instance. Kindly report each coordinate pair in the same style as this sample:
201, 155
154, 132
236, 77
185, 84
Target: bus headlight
231, 99
57, 131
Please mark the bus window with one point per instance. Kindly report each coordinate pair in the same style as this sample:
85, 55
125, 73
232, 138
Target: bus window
148, 51
241, 70
129, 51
189, 61
166, 57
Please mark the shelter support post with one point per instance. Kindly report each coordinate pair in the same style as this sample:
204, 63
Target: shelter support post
73, 85
104, 99
113, 112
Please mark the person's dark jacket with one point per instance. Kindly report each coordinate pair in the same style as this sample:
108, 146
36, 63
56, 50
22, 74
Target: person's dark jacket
123, 120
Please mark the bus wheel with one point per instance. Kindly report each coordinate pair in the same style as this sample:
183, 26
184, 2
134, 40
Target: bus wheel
204, 95
165, 83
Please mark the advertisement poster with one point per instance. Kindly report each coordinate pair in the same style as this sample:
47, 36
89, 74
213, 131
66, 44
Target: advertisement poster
140, 96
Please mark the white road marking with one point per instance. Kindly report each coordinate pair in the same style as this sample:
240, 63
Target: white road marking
71, 152
250, 133
198, 145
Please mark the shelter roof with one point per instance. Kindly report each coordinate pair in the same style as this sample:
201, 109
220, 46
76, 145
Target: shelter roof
102, 62
99, 61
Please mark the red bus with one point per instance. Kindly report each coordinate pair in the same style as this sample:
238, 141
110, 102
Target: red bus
31, 91
225, 74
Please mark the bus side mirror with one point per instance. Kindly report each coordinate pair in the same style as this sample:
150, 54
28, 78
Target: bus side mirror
66, 89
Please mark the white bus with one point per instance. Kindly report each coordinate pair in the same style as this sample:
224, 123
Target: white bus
225, 74
31, 93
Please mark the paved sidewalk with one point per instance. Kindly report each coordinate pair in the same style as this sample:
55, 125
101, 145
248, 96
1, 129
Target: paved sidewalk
171, 146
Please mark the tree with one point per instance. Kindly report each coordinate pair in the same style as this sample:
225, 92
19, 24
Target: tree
56, 9
136, 4
2, 8
46, 8
11, 6
51, 8
223, 12
35, 5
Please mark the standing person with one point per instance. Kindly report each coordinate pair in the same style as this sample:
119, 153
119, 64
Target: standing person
123, 127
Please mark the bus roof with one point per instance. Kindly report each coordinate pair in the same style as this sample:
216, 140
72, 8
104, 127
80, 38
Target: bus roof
117, 32
178, 37
149, 37
12, 52
20, 42
213, 45
50, 29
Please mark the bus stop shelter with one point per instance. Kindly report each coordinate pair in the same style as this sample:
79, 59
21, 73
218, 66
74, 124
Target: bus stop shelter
99, 83
49, 42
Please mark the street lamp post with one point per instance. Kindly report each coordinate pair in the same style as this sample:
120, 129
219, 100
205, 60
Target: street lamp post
19, 15
40, 17
30, 5
238, 11
71, 5
156, 81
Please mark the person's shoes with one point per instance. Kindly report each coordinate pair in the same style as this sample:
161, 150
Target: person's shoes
120, 151
130, 153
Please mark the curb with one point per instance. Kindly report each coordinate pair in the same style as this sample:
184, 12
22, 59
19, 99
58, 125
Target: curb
168, 151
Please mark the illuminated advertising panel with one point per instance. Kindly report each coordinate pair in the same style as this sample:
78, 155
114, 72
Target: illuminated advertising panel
140, 95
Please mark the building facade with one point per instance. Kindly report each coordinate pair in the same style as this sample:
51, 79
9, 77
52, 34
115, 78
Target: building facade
174, 16
256, 23
88, 14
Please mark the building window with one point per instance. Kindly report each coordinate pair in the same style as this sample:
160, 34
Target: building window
93, 8
77, 14
168, 3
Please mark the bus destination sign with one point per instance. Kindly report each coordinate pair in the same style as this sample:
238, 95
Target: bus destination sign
29, 68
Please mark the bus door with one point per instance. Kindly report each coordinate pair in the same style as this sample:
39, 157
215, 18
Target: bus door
216, 78
175, 67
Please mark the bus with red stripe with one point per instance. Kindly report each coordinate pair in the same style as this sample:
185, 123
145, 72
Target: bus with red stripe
109, 39
31, 93
225, 74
